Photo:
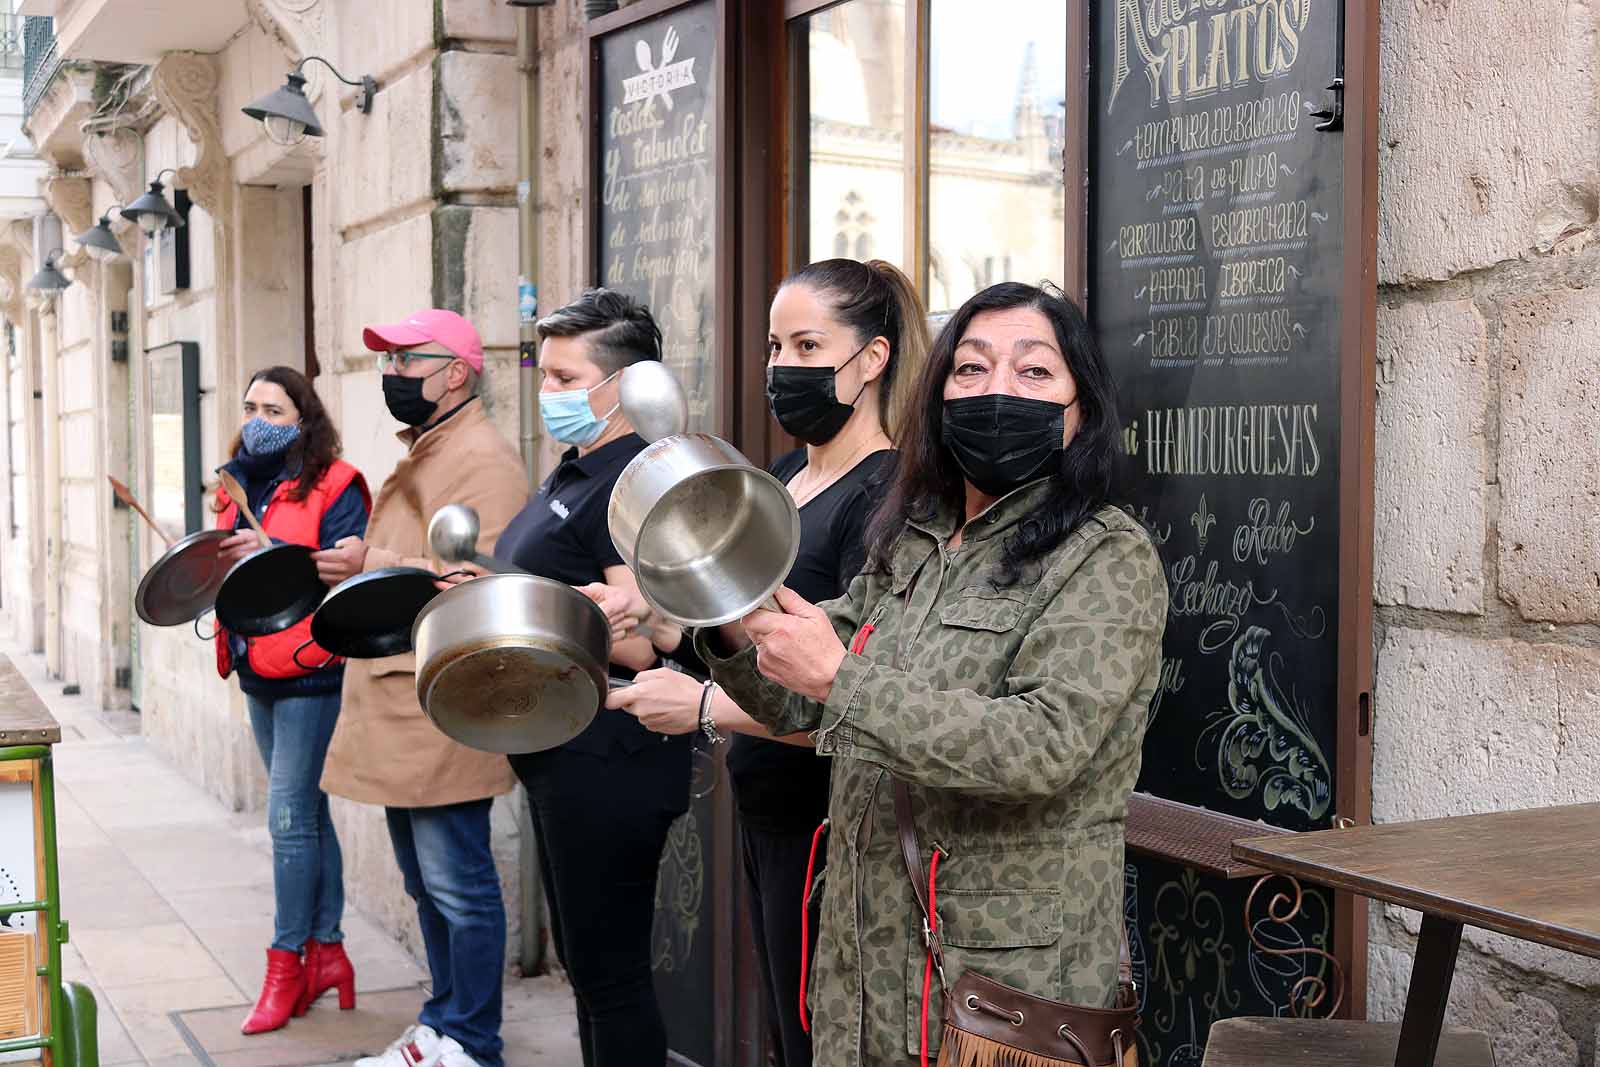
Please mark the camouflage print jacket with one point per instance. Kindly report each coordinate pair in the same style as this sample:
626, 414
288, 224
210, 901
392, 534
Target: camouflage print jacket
1015, 714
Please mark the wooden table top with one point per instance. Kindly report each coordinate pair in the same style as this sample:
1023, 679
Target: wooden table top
23, 718
1533, 875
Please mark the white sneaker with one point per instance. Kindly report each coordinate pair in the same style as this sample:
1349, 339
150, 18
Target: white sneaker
451, 1054
419, 1046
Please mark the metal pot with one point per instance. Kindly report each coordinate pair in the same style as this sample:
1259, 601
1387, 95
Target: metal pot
511, 662
709, 536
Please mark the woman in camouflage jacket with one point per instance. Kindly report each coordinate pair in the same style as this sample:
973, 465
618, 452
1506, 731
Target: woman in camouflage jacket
1005, 641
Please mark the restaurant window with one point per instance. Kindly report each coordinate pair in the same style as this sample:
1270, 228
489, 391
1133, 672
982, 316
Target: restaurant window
954, 171
853, 61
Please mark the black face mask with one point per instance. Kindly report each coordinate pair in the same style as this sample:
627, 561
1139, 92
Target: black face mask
805, 404
1001, 441
405, 400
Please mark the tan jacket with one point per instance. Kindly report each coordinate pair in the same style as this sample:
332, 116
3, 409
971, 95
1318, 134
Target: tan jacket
385, 750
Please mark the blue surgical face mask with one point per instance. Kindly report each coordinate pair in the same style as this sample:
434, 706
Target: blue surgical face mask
263, 438
569, 417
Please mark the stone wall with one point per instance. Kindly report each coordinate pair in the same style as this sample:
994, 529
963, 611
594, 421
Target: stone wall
1487, 556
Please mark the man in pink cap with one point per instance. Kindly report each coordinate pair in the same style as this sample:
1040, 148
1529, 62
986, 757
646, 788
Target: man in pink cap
436, 794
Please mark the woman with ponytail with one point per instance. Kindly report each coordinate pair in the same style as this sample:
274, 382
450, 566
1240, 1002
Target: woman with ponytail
846, 344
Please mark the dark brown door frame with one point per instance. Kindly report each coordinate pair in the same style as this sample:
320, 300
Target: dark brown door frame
748, 224
1357, 398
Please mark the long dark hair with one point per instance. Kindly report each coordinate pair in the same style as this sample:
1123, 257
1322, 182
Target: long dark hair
875, 299
318, 444
926, 476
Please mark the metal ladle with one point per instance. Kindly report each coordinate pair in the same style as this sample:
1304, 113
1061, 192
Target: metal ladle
652, 400
453, 537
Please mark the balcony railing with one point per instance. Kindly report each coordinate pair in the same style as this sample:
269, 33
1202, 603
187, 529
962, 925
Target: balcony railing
39, 58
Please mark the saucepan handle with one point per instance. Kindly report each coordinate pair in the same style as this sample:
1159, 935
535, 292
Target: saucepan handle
205, 637
298, 662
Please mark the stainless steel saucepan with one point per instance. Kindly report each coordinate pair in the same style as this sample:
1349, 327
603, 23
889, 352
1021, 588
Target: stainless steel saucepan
709, 536
511, 662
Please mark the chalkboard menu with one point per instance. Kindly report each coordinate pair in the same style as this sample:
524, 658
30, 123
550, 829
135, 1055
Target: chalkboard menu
1215, 270
655, 193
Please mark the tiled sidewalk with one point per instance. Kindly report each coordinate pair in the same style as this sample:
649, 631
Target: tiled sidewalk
169, 901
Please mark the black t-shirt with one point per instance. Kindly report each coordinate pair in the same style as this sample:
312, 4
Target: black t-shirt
562, 534
783, 787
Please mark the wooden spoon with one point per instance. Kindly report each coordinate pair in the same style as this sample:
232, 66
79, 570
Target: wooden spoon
236, 491
126, 496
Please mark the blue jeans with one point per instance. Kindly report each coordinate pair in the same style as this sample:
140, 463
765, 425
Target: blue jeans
448, 867
307, 867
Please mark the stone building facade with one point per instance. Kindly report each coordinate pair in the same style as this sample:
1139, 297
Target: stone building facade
1487, 516
412, 205
1487, 556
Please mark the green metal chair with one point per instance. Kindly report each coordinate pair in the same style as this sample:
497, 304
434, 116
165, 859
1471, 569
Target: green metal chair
70, 1035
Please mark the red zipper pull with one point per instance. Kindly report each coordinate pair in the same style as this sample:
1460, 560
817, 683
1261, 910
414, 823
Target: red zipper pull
858, 644
805, 922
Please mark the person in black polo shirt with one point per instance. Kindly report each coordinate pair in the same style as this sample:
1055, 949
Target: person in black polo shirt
847, 341
603, 802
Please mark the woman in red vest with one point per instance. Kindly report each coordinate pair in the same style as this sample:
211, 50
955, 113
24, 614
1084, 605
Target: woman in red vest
286, 456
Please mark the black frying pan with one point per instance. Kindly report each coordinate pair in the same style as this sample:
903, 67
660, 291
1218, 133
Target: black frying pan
370, 615
269, 591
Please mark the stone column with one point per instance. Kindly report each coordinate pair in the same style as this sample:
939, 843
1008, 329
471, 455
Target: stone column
49, 485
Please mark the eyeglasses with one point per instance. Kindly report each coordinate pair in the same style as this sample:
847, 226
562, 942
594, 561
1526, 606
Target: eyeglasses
401, 359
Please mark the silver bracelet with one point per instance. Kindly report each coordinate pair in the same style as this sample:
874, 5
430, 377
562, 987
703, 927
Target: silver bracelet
708, 727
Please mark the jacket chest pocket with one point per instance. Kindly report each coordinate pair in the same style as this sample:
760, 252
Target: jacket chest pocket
1011, 936
972, 645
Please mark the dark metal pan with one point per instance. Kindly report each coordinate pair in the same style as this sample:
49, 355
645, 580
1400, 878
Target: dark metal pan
182, 585
269, 591
370, 615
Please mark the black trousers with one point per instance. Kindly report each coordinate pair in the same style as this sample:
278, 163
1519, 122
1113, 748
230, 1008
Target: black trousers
601, 822
775, 867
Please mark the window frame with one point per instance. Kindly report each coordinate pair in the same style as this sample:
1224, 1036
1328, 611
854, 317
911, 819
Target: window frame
915, 250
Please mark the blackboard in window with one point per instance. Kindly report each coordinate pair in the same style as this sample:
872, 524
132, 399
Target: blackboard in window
653, 191
1217, 277
654, 185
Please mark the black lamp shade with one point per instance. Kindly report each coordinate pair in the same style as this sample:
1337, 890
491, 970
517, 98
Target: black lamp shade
153, 204
49, 279
290, 104
100, 241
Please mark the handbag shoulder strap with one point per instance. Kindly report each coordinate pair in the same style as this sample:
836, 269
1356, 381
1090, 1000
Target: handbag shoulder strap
912, 854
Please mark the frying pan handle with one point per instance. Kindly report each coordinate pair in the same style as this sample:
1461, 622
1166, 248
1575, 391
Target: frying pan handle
298, 662
204, 637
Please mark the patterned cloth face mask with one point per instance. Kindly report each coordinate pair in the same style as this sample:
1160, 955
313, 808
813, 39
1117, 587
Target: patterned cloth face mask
263, 438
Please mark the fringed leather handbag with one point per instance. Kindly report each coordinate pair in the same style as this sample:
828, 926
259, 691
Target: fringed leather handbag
990, 1024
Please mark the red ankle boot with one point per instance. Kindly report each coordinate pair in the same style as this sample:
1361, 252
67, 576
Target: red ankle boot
327, 967
281, 992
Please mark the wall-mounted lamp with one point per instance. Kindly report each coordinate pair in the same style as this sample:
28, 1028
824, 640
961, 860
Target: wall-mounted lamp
49, 280
151, 211
99, 241
287, 114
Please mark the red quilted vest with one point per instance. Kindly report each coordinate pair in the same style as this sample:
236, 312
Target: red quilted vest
297, 522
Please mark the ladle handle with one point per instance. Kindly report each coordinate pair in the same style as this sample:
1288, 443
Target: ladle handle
495, 566
236, 491
125, 495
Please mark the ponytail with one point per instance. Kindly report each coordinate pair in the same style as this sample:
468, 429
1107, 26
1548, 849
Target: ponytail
909, 351
876, 299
